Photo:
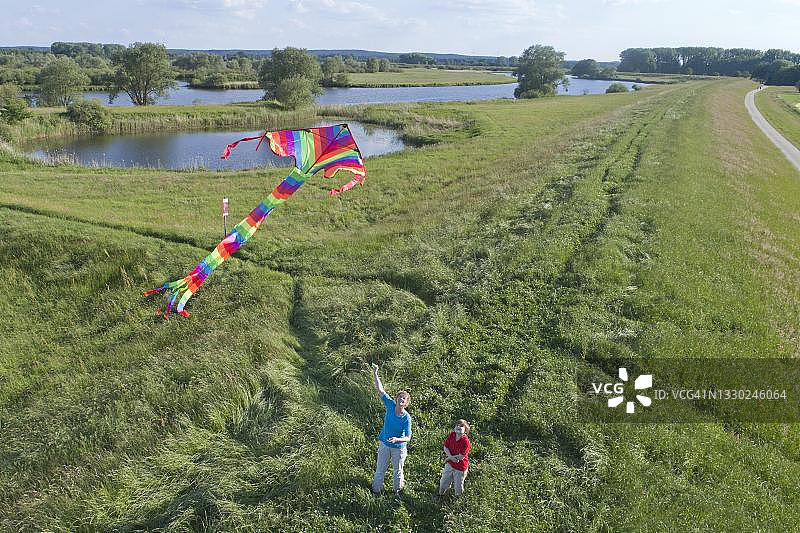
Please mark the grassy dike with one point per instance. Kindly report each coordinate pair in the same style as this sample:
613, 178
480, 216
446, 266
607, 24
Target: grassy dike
477, 271
779, 107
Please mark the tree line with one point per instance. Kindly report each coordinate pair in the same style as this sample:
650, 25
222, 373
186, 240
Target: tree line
773, 67
23, 67
146, 72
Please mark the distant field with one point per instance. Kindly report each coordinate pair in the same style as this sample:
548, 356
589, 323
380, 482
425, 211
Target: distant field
781, 107
479, 271
427, 77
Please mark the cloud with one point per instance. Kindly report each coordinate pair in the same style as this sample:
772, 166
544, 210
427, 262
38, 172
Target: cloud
215, 7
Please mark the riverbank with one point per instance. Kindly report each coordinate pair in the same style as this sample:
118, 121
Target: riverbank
415, 129
228, 85
52, 122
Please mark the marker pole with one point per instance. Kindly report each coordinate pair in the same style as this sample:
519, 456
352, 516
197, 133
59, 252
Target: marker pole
225, 216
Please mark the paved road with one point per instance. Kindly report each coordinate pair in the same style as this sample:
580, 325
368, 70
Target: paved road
788, 149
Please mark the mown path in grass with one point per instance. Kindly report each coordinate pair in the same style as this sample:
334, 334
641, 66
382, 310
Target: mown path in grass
478, 272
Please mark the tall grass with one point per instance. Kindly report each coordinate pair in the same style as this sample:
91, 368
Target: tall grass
53, 123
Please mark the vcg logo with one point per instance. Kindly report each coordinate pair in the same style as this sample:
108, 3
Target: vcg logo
645, 381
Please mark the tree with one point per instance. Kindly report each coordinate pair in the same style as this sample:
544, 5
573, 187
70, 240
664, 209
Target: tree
331, 66
15, 111
9, 91
666, 60
341, 80
415, 58
354, 65
286, 63
637, 60
13, 108
586, 68
384, 65
295, 91
373, 65
797, 85
608, 73
143, 72
539, 72
61, 80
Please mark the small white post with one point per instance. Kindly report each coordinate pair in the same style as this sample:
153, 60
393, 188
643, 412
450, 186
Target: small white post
225, 216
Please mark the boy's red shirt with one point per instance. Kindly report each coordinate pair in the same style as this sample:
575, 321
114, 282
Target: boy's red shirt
456, 447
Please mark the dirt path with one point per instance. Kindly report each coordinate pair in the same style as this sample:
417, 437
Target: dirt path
788, 149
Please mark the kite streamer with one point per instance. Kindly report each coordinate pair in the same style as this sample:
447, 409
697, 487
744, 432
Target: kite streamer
330, 149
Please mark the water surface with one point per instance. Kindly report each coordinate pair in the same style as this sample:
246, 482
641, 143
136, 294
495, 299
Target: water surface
184, 95
200, 149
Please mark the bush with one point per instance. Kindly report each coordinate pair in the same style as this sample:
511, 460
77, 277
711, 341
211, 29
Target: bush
90, 113
617, 88
295, 91
341, 80
15, 110
533, 93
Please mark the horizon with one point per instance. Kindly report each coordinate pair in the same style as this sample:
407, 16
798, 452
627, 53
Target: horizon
597, 30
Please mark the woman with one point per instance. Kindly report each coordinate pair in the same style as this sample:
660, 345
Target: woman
394, 435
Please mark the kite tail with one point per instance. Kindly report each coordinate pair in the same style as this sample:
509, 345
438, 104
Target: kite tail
178, 292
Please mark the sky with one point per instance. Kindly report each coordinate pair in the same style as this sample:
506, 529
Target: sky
597, 29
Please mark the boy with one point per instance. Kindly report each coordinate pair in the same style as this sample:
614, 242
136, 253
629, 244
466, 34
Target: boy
456, 448
394, 436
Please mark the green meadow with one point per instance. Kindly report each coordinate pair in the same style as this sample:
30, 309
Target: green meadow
517, 241
655, 77
781, 107
426, 77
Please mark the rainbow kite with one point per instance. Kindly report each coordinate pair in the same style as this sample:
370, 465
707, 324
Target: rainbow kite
330, 149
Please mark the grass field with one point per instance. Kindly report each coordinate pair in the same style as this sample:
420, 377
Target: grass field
426, 77
645, 77
792, 98
478, 271
781, 107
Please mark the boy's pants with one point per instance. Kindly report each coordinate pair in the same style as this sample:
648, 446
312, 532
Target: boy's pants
398, 456
452, 476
